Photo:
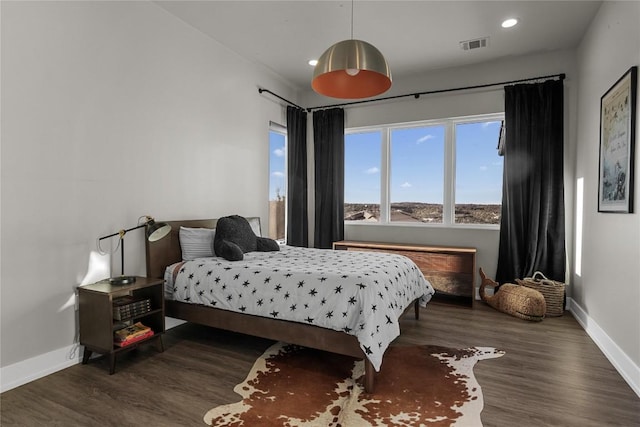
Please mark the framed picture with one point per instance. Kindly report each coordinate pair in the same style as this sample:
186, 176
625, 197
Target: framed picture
617, 135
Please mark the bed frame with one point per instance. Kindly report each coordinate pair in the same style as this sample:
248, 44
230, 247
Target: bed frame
167, 251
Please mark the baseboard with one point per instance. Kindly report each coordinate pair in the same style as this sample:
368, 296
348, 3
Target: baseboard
618, 358
25, 371
28, 370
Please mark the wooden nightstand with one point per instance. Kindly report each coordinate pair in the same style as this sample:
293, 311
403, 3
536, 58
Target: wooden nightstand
97, 323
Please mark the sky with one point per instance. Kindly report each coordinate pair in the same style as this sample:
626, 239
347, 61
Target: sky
277, 158
416, 165
478, 165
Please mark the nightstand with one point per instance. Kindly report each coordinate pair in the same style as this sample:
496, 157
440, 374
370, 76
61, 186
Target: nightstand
97, 323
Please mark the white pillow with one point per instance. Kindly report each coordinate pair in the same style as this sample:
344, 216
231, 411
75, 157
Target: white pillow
254, 222
196, 242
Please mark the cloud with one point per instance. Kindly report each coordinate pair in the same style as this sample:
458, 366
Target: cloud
372, 170
425, 138
483, 168
278, 174
487, 124
278, 152
406, 185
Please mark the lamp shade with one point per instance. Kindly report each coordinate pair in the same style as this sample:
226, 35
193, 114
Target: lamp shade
157, 230
351, 69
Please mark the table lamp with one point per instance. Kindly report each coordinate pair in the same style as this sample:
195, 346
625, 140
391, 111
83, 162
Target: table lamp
154, 231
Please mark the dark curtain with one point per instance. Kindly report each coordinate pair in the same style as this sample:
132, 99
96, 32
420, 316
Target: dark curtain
297, 213
328, 147
532, 224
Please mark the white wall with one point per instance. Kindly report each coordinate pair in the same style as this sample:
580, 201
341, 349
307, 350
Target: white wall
113, 110
462, 103
608, 288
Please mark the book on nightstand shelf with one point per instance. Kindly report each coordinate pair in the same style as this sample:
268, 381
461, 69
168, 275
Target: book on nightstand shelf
132, 334
127, 306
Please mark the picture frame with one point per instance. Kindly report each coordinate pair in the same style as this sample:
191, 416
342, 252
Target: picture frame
617, 141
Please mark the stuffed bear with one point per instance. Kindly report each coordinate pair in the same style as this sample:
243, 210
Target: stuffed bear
234, 237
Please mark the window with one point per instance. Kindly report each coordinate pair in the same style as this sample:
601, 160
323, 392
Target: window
416, 174
363, 154
277, 181
437, 172
478, 190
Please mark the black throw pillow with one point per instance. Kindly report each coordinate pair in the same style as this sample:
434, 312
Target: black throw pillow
234, 237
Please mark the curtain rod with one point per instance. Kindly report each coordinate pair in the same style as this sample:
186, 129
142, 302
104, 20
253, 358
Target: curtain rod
260, 90
417, 95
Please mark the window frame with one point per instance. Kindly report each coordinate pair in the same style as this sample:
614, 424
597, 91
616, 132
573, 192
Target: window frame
281, 130
448, 207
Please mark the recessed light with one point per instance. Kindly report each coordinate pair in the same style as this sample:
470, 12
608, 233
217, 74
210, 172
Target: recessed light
508, 23
313, 62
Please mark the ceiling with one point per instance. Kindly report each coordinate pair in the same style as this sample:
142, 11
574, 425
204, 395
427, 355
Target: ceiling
414, 36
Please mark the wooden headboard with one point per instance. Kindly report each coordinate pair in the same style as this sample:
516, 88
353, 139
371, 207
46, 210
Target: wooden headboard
166, 251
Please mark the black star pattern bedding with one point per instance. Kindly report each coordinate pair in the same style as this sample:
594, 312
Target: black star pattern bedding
360, 293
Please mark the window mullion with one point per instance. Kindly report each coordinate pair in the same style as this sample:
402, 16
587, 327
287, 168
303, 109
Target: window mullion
449, 175
385, 176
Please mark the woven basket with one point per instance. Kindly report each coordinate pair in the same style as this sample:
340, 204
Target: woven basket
519, 301
553, 292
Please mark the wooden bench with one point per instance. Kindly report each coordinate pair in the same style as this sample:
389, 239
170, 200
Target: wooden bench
450, 270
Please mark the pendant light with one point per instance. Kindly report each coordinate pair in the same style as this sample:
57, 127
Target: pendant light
351, 69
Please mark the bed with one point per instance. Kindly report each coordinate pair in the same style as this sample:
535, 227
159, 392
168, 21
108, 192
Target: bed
339, 301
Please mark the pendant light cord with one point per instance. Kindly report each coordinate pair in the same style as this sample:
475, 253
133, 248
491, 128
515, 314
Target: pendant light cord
351, 19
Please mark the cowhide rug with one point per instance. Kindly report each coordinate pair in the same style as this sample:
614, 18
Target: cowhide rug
417, 386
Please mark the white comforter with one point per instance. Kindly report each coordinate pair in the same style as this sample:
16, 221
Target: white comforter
360, 293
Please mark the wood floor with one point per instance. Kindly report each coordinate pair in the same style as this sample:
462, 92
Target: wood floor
552, 375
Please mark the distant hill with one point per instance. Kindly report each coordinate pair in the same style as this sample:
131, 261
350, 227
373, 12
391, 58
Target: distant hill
424, 212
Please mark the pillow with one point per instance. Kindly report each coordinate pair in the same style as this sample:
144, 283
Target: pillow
196, 242
254, 222
235, 237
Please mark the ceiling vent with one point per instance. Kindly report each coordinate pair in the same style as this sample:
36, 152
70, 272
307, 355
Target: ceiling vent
474, 44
